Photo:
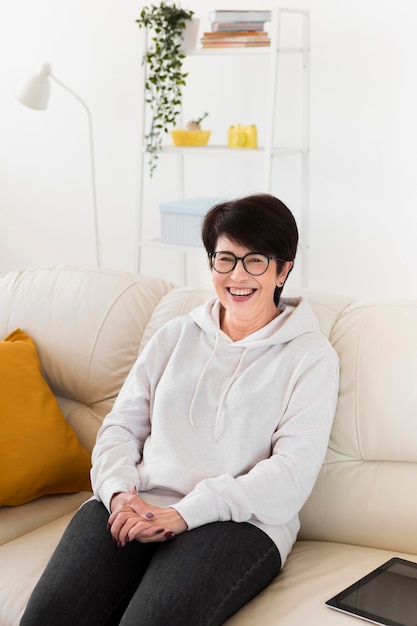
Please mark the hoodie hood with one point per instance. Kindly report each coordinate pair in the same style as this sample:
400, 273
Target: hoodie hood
296, 318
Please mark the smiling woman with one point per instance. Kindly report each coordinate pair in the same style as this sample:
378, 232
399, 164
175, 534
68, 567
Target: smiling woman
221, 468
247, 290
255, 230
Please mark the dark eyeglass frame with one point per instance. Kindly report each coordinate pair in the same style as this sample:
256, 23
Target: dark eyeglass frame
212, 256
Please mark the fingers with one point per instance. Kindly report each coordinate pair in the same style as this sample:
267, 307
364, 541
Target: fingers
151, 534
125, 526
148, 515
137, 532
130, 503
134, 519
139, 505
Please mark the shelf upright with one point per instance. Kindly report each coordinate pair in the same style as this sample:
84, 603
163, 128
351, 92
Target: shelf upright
269, 151
272, 151
305, 203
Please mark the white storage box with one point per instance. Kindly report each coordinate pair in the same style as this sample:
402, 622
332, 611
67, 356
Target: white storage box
181, 220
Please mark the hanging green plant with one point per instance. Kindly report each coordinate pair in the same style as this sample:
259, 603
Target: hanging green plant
165, 77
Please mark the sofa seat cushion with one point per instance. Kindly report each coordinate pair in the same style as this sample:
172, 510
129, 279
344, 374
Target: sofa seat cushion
26, 558
17, 521
314, 572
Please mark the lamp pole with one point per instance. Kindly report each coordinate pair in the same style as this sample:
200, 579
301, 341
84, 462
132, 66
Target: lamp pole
34, 93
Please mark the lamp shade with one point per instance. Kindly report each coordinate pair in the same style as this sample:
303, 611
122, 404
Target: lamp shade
35, 91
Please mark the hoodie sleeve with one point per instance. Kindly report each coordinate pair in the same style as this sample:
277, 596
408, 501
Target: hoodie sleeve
275, 489
120, 440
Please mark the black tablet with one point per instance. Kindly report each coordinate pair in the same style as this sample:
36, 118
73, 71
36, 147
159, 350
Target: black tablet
387, 596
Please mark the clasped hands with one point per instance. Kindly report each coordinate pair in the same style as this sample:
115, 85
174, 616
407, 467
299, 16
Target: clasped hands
134, 519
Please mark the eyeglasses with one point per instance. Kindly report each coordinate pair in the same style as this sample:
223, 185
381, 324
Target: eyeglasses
254, 263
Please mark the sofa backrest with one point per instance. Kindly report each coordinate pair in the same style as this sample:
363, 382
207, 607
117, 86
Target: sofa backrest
89, 326
365, 493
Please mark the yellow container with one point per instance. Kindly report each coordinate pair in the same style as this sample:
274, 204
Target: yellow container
190, 137
242, 136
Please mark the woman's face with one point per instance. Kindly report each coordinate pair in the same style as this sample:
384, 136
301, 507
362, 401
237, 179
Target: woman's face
248, 300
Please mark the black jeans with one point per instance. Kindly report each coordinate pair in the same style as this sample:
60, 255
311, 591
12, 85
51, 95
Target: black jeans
200, 578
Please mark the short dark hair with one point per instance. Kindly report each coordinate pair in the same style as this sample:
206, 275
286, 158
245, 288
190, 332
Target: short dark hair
260, 222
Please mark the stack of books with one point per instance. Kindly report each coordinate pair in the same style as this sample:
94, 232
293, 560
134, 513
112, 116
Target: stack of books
237, 29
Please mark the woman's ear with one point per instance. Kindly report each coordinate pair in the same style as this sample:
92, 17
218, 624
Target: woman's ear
282, 277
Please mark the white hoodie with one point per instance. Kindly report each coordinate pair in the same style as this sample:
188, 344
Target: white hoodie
223, 430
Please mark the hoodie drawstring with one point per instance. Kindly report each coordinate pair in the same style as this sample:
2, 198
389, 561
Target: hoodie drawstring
219, 421
211, 357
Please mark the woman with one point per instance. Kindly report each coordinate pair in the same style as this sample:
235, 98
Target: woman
210, 451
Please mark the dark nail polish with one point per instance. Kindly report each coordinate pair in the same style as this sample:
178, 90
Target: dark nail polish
169, 535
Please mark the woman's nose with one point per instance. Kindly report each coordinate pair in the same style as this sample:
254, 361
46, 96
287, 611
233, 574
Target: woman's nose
239, 271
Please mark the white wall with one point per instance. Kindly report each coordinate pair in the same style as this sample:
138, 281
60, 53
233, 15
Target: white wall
363, 141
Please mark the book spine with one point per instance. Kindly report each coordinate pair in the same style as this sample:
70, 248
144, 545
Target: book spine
227, 26
240, 16
235, 39
235, 33
235, 44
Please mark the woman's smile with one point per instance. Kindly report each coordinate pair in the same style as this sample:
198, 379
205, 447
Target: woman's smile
240, 293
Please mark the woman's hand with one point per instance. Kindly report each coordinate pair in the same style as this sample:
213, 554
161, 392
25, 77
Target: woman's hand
133, 518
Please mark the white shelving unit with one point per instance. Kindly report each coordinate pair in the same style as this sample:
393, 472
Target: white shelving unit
268, 152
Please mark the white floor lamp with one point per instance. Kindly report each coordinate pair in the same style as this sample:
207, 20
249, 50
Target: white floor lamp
34, 93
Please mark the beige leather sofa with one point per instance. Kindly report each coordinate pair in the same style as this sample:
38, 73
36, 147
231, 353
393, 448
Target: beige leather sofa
89, 325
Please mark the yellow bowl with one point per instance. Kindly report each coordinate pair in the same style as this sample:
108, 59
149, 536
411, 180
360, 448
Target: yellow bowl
182, 137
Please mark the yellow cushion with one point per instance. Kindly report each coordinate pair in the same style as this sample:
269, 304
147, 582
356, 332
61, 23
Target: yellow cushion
39, 452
